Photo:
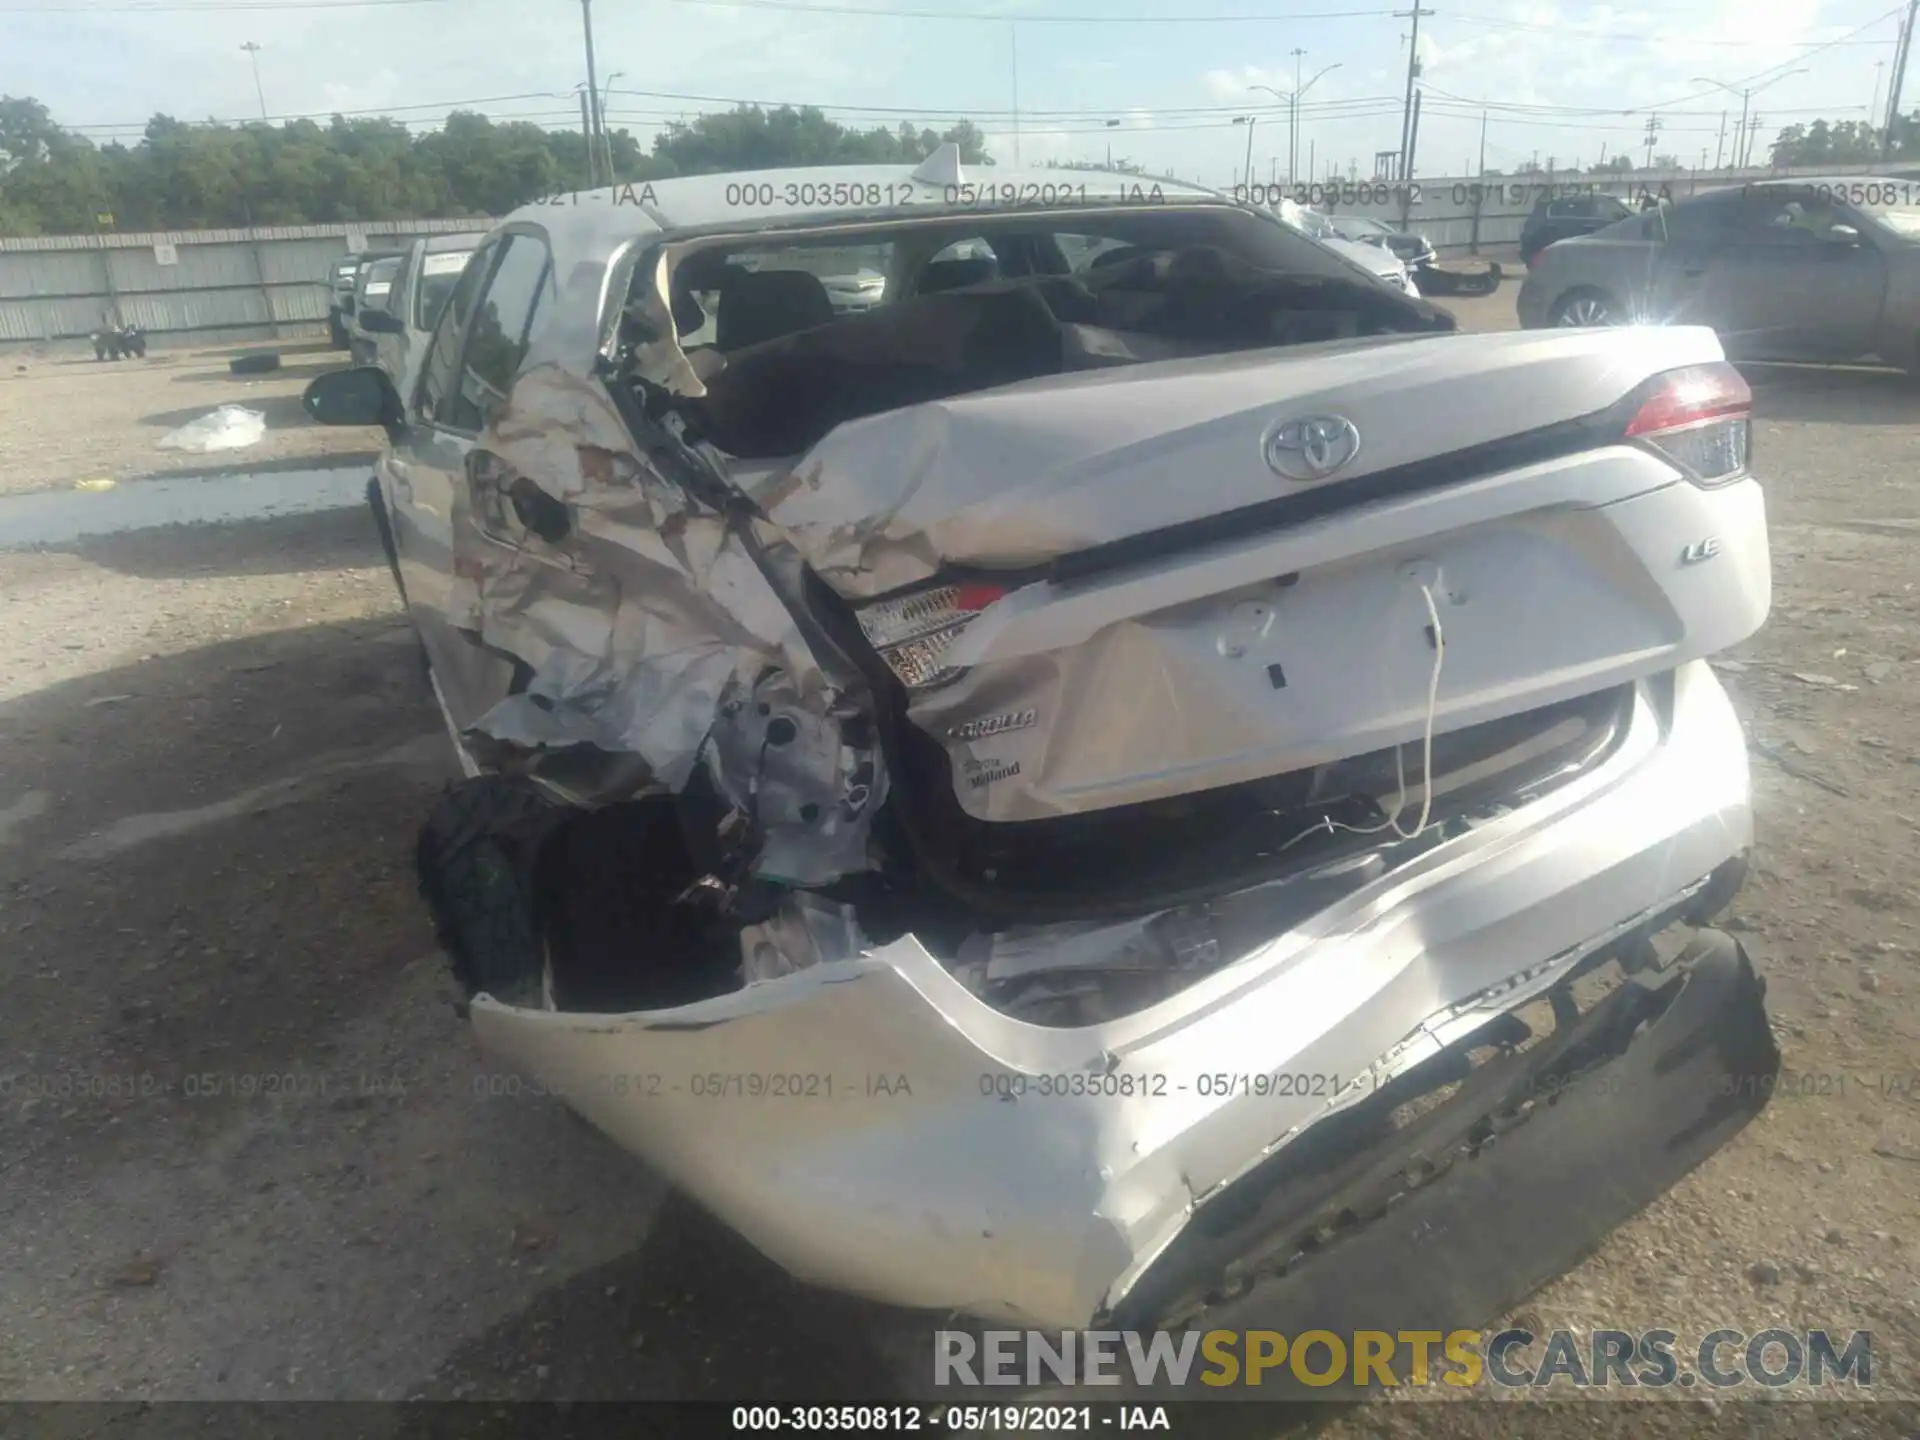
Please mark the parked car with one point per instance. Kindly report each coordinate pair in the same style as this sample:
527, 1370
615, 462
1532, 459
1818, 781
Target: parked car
422, 281
1014, 797
1412, 250
346, 276
340, 278
1376, 259
1783, 271
1555, 218
372, 294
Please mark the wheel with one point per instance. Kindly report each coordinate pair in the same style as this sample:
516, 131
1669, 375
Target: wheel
476, 857
337, 333
1586, 308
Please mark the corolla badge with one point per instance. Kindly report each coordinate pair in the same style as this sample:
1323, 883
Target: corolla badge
1312, 448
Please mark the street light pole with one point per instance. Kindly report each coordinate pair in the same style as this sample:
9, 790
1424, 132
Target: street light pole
1248, 121
1293, 113
1742, 139
253, 53
1293, 124
606, 135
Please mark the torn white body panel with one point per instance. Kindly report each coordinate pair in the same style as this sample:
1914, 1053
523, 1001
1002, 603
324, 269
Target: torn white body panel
872, 1125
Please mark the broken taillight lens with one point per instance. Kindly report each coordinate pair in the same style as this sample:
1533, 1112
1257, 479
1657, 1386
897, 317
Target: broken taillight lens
914, 632
1699, 417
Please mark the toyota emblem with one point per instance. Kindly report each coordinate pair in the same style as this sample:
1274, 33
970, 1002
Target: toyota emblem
1312, 448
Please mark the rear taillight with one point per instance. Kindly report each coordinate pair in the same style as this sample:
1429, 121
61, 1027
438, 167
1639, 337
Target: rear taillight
913, 633
1699, 417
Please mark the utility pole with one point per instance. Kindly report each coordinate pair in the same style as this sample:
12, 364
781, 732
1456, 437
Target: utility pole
1413, 142
1746, 154
1483, 142
593, 87
1653, 129
1898, 80
1720, 144
253, 53
586, 131
1413, 73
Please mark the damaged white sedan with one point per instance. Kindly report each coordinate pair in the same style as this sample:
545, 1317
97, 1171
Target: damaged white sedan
1070, 791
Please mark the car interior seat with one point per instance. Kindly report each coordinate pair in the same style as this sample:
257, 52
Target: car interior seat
957, 274
761, 305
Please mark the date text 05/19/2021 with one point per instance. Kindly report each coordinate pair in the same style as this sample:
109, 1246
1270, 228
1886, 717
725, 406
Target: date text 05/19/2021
949, 1418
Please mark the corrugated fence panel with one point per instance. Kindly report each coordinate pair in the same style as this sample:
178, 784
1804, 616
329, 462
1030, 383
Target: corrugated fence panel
58, 287
73, 272
31, 320
197, 267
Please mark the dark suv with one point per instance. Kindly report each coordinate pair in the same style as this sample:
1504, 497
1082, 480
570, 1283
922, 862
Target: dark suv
1562, 219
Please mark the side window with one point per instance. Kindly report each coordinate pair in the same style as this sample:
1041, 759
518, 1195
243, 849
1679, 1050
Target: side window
1082, 251
1692, 222
439, 372
497, 339
1778, 220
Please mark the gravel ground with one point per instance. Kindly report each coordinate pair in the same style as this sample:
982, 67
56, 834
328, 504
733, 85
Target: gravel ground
275, 1166
70, 418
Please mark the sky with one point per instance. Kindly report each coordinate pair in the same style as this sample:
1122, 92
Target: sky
1158, 81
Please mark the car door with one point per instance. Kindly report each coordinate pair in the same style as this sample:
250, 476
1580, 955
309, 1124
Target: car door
390, 350
1776, 291
472, 358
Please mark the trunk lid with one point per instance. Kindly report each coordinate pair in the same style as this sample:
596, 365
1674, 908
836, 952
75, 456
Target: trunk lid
1024, 474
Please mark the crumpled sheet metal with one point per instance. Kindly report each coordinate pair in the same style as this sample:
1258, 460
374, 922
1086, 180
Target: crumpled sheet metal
649, 628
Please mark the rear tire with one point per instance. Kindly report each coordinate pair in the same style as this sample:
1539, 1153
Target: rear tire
337, 333
1585, 308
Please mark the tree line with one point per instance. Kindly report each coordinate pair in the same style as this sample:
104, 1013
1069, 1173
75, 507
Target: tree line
186, 176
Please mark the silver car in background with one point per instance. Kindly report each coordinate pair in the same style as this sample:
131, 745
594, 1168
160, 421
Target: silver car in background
372, 294
1378, 259
424, 279
1781, 270
1093, 794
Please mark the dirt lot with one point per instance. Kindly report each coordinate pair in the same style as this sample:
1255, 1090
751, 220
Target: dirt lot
69, 418
276, 1167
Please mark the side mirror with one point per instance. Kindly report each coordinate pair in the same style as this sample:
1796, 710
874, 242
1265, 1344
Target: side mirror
363, 395
381, 321
1843, 236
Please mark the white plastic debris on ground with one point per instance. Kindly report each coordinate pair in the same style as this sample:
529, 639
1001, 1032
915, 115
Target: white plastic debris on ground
231, 427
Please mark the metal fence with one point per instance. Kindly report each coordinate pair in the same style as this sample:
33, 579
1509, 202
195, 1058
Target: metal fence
271, 283
202, 285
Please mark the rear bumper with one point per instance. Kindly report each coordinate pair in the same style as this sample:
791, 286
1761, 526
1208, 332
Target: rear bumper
874, 1127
